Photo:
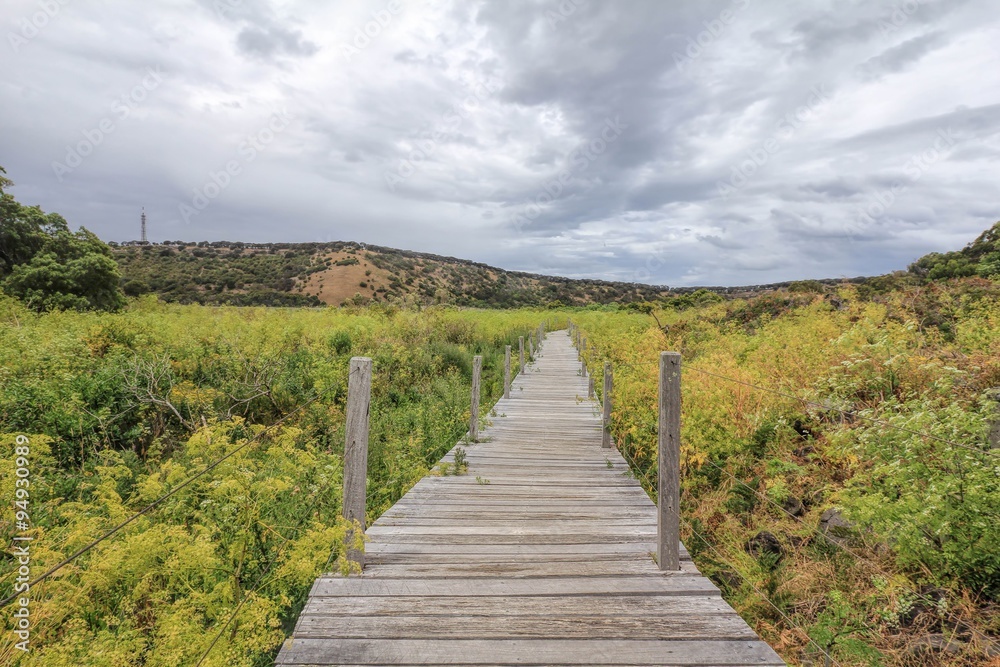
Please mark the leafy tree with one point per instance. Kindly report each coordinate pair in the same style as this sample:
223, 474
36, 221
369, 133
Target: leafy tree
49, 267
990, 266
22, 229
981, 257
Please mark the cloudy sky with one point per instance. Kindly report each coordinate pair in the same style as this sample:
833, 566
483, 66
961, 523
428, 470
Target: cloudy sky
682, 143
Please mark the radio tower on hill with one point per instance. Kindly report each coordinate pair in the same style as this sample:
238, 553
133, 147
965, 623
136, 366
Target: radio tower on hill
143, 239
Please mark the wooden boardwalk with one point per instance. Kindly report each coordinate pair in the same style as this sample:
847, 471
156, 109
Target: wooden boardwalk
545, 559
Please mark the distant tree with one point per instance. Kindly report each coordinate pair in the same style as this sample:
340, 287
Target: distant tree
49, 267
981, 257
989, 265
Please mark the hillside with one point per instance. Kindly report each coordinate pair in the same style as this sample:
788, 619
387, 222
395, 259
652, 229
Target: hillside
310, 274
336, 273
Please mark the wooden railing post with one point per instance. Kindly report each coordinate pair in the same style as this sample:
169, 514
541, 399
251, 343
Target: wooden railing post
506, 372
520, 345
590, 387
608, 386
583, 359
531, 346
477, 369
359, 390
669, 462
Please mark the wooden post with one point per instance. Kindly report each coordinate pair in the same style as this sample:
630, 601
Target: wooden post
608, 386
583, 359
590, 387
531, 347
477, 369
359, 391
506, 372
668, 518
520, 345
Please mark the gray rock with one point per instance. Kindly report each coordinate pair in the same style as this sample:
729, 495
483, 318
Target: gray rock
793, 506
935, 644
833, 524
764, 543
925, 611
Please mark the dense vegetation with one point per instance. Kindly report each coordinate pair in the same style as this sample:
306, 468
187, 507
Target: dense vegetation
275, 274
208, 274
979, 258
826, 527
121, 409
858, 512
49, 267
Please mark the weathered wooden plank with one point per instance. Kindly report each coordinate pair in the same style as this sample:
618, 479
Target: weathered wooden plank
644, 528
516, 605
622, 569
506, 522
490, 540
689, 625
676, 584
402, 558
516, 651
646, 547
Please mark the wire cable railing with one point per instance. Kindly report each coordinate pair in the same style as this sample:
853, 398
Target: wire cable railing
850, 414
166, 496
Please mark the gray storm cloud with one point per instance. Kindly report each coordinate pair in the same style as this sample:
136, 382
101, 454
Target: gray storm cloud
759, 141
